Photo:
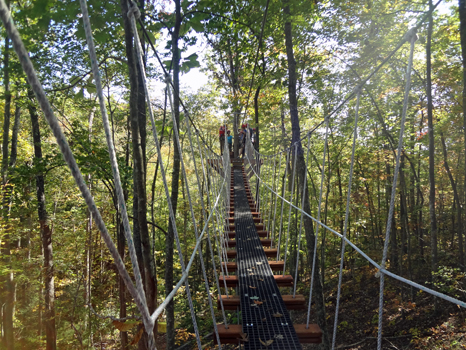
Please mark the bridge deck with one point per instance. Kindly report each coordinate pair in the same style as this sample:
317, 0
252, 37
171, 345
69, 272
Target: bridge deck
264, 314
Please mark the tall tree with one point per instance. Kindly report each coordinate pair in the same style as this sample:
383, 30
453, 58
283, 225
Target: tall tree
170, 310
8, 285
433, 217
45, 231
301, 171
462, 15
140, 229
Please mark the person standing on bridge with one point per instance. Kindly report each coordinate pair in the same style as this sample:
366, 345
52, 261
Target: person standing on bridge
221, 135
230, 142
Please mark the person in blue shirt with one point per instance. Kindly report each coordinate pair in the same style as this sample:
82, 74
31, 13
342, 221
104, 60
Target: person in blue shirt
230, 141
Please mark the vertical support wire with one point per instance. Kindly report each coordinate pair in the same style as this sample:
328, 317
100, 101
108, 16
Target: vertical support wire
137, 44
178, 244
276, 198
209, 240
291, 202
411, 37
114, 163
322, 177
348, 198
204, 274
285, 177
271, 200
303, 195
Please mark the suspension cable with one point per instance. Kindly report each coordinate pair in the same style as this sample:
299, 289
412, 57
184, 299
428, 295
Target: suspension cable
348, 200
412, 39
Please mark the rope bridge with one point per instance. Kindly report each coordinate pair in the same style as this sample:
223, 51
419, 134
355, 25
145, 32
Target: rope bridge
243, 215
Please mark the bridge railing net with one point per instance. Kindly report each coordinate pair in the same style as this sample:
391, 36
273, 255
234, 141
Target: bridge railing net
277, 199
213, 197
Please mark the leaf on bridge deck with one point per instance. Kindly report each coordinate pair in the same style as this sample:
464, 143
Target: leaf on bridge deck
244, 337
267, 342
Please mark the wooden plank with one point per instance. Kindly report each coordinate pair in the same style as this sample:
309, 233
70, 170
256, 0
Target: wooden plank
274, 265
264, 242
232, 302
282, 281
311, 335
232, 234
232, 334
271, 253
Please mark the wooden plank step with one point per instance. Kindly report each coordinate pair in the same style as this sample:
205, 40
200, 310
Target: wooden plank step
264, 242
271, 253
232, 302
282, 281
263, 233
231, 335
311, 335
274, 265
232, 219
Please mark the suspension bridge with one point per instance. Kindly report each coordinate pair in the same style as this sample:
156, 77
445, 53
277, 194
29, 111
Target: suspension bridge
244, 213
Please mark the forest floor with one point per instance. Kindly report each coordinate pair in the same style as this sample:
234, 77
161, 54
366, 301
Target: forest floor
407, 324
410, 320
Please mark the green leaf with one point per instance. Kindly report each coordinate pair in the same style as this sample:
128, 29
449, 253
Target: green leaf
196, 24
91, 88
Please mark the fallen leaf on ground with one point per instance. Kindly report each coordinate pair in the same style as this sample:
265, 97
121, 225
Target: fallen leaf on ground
278, 336
252, 287
277, 314
258, 302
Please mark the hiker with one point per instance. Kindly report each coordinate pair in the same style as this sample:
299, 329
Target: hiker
230, 141
242, 141
221, 135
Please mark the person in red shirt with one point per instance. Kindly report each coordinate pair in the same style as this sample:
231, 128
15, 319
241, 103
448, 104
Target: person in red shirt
221, 135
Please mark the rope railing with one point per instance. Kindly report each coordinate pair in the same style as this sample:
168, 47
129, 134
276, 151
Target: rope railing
365, 256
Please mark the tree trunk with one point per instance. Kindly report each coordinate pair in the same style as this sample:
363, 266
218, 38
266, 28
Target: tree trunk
170, 309
433, 218
8, 283
256, 116
140, 229
462, 15
301, 168
456, 203
46, 234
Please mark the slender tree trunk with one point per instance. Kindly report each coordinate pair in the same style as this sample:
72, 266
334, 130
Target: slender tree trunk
433, 218
456, 197
301, 170
46, 234
140, 229
8, 284
170, 309
462, 15
256, 116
